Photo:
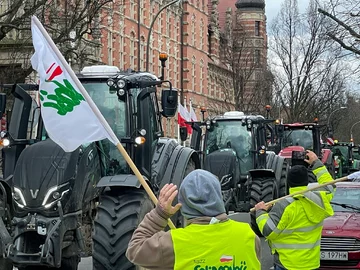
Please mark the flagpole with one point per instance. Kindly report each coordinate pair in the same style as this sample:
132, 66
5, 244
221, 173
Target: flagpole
190, 107
178, 125
184, 143
98, 114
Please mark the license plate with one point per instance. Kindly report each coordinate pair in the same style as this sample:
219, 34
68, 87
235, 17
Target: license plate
334, 255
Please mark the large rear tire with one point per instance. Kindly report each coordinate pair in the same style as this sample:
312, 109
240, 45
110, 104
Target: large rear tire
262, 189
118, 215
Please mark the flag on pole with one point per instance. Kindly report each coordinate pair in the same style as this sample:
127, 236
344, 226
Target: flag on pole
70, 116
192, 114
183, 117
330, 141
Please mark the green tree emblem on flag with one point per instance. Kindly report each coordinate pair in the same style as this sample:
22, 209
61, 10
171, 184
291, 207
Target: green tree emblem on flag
65, 99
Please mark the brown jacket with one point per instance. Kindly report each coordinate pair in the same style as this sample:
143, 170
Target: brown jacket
152, 248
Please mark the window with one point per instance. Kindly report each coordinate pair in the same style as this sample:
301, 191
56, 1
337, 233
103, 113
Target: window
110, 58
151, 56
121, 52
257, 57
193, 33
142, 53
132, 9
168, 24
176, 72
201, 34
132, 50
201, 75
193, 72
257, 28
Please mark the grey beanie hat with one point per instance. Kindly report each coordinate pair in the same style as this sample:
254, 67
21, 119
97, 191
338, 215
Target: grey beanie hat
200, 195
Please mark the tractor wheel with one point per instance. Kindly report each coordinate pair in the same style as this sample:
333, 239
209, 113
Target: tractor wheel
262, 189
118, 215
5, 264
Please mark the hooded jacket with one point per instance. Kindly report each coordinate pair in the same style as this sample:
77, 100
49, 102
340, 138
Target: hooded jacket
293, 226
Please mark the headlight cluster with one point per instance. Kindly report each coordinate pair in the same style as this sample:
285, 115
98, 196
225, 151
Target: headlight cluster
55, 194
52, 196
4, 141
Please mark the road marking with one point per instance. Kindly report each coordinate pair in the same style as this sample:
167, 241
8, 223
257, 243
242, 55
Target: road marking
271, 267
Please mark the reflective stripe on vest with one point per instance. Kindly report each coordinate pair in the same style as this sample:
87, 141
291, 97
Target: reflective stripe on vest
215, 246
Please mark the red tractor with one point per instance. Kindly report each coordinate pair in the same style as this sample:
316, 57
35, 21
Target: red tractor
298, 137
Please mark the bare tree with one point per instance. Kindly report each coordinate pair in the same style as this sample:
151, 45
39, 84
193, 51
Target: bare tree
343, 18
240, 53
67, 21
310, 78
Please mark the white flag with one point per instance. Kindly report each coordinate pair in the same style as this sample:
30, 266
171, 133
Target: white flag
193, 114
70, 116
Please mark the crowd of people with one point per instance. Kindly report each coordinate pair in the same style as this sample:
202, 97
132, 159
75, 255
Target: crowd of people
211, 240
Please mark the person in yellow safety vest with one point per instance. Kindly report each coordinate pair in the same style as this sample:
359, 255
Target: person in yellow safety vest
293, 226
210, 241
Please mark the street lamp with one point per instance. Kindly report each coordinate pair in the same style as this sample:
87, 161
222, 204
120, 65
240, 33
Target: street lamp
328, 123
150, 30
351, 134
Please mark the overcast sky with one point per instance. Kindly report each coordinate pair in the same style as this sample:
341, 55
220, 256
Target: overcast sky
273, 7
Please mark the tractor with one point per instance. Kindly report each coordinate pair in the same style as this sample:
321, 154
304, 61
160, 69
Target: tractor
58, 206
346, 163
234, 148
299, 137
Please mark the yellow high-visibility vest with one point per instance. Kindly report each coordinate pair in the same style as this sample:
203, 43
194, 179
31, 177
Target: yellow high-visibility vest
228, 245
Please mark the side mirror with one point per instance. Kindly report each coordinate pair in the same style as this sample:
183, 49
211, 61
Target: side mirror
183, 133
196, 137
169, 102
2, 104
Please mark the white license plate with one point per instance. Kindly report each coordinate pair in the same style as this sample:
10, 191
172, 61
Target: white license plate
334, 255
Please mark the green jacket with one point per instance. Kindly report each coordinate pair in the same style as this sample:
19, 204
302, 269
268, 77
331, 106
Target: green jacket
293, 226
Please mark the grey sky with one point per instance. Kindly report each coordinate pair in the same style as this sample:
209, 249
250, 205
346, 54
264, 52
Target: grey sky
273, 7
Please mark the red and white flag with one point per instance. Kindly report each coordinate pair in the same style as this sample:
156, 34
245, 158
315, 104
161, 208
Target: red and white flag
192, 114
184, 116
330, 141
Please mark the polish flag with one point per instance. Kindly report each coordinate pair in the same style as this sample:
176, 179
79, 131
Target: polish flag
184, 116
330, 141
193, 114
225, 258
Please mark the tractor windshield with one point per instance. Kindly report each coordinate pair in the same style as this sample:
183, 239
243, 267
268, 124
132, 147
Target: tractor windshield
231, 134
113, 111
298, 137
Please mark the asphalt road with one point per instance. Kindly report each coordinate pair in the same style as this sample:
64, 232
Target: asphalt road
266, 262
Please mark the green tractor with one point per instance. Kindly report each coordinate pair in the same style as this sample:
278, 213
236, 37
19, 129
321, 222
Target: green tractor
234, 148
345, 158
56, 206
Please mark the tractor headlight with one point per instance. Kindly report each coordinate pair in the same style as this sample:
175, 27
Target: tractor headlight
121, 92
110, 82
121, 83
19, 198
55, 194
5, 142
140, 140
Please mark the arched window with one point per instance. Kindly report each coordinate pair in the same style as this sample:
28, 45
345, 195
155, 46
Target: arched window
132, 50
110, 56
201, 76
142, 53
193, 72
202, 34
193, 31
